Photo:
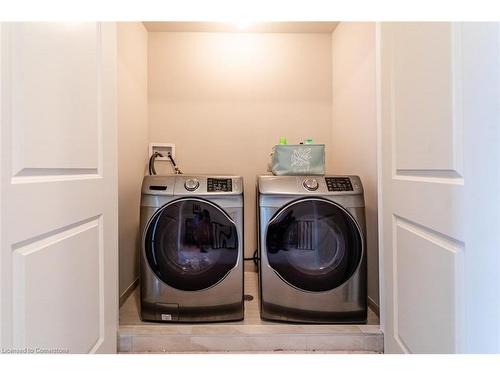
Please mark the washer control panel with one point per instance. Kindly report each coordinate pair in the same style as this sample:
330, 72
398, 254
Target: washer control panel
338, 184
219, 184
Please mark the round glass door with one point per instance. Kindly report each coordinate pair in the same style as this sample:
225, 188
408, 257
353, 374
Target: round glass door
314, 244
191, 244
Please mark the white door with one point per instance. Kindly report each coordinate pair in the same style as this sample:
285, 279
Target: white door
58, 210
440, 208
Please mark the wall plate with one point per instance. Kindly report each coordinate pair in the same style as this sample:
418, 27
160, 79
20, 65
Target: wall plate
163, 148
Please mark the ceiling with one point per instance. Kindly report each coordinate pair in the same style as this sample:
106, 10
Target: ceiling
258, 27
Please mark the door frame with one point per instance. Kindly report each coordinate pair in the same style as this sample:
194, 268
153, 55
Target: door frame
380, 213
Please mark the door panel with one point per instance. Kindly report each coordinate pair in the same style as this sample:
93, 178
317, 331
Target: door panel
424, 270
423, 100
76, 280
58, 192
426, 221
55, 73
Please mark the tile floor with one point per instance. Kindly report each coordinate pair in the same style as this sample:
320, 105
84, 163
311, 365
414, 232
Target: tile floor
248, 336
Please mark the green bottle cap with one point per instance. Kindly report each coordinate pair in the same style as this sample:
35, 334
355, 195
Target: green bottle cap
282, 141
308, 141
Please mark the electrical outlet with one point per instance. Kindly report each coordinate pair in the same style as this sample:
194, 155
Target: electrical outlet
162, 148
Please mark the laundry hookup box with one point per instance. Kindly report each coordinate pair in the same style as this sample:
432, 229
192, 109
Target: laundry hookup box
303, 159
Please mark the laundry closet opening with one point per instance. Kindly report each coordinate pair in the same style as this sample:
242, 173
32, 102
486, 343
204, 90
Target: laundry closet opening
224, 97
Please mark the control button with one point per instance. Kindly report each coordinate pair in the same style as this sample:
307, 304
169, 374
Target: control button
192, 184
311, 184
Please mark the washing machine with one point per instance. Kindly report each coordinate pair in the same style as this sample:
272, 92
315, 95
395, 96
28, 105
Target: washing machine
192, 248
312, 249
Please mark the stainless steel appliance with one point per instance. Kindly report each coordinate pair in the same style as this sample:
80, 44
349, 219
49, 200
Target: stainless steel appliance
192, 248
312, 249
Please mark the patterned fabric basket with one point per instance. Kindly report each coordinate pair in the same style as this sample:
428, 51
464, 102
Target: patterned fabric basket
307, 159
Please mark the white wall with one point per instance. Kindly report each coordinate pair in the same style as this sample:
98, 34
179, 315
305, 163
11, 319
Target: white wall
354, 141
225, 99
132, 142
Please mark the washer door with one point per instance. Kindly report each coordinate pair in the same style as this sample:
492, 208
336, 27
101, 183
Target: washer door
314, 244
191, 244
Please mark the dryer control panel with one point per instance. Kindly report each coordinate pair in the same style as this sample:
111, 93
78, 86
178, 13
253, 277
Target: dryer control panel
330, 185
338, 183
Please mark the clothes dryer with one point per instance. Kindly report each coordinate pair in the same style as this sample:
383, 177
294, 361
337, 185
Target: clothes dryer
312, 249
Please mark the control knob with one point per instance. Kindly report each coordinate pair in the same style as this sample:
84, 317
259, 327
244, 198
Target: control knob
192, 184
311, 184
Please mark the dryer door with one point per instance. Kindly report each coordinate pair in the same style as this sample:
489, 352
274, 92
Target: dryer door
191, 244
314, 244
